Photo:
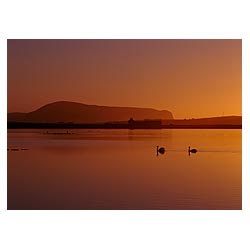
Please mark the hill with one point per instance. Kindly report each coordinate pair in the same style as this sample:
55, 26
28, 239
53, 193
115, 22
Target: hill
223, 120
72, 112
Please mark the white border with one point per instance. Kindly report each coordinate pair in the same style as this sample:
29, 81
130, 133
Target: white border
3, 123
125, 229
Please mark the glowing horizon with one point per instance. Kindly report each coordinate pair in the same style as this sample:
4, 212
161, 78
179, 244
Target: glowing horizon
190, 78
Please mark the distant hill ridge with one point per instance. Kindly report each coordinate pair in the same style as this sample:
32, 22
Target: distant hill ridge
64, 111
225, 120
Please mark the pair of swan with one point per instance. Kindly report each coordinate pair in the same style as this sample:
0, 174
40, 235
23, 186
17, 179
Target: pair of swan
162, 150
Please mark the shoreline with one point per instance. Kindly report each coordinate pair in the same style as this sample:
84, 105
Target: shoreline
17, 125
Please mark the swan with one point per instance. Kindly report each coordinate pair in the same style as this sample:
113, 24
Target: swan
160, 150
193, 150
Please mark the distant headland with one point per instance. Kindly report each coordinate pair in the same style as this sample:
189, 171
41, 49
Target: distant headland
71, 115
72, 112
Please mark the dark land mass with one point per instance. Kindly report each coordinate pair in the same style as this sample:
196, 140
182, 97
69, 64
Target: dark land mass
222, 120
76, 115
72, 112
227, 122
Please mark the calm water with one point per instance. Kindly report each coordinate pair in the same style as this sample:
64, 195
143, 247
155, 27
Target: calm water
119, 169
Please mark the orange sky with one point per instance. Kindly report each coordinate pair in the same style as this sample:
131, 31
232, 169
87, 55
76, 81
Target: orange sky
191, 78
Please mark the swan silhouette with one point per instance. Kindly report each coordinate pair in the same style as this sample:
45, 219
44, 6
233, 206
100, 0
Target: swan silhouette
193, 150
160, 150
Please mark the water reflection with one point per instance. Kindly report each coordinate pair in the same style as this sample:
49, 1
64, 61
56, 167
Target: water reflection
116, 169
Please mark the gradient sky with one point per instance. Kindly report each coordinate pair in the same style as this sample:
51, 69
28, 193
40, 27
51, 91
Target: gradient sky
191, 78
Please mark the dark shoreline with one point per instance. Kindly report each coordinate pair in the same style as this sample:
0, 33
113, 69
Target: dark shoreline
22, 125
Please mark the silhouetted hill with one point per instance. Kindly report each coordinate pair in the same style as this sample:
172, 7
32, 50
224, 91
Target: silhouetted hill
223, 120
16, 116
81, 113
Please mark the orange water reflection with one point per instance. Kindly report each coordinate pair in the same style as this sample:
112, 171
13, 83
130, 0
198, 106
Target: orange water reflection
119, 169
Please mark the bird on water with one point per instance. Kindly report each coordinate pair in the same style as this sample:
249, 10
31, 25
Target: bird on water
160, 150
193, 150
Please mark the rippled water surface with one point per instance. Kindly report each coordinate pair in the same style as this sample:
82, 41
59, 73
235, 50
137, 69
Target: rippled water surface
120, 169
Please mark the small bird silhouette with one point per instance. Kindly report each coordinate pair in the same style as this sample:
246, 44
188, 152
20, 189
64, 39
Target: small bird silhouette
193, 150
160, 150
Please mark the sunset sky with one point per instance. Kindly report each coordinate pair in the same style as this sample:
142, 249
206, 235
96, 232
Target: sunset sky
190, 78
